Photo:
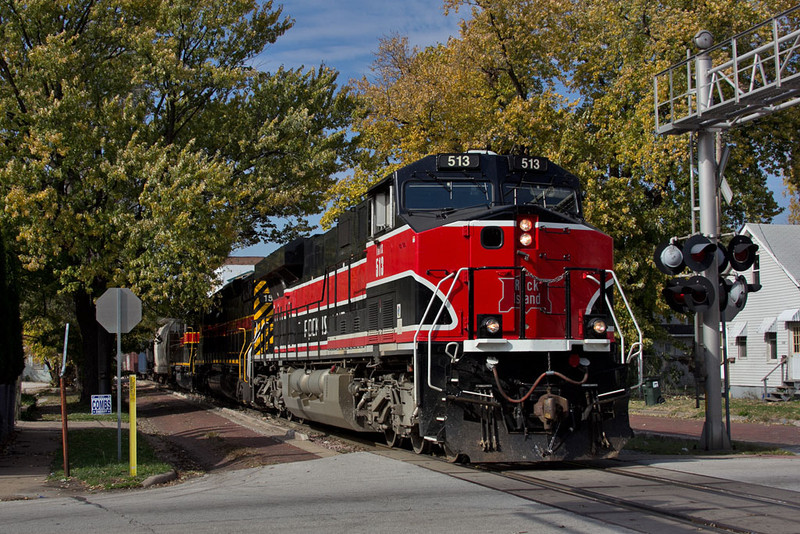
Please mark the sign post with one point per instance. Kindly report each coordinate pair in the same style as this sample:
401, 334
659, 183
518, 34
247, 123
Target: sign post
64, 426
118, 310
132, 431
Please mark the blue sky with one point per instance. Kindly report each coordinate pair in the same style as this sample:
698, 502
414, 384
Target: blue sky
344, 35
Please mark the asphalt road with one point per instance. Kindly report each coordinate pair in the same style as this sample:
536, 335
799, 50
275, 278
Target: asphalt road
349, 493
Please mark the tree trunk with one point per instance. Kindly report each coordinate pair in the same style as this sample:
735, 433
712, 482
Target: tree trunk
12, 358
97, 346
8, 397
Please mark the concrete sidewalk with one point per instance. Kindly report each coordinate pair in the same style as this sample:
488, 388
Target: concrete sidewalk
26, 462
210, 439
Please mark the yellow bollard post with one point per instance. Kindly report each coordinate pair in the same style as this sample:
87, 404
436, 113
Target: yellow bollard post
132, 438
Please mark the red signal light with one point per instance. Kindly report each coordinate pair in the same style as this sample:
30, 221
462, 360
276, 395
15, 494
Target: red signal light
688, 295
742, 252
699, 253
701, 293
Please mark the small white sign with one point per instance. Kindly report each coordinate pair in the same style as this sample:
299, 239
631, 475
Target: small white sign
101, 404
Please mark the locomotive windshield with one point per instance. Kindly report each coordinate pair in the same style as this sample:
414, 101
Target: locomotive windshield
447, 195
554, 198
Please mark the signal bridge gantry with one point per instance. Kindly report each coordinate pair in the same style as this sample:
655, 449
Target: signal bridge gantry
748, 76
757, 73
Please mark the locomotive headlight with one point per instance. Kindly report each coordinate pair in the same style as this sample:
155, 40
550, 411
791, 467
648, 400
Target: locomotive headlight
525, 239
489, 326
598, 326
525, 225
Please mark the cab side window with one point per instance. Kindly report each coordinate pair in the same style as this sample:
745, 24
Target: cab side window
382, 210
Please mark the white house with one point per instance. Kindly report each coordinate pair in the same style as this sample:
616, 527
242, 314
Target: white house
767, 331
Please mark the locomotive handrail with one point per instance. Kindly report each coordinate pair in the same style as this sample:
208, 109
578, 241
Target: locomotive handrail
242, 370
636, 347
635, 350
613, 318
433, 325
419, 329
455, 276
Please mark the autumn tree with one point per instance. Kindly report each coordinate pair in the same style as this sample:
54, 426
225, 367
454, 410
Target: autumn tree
572, 81
139, 145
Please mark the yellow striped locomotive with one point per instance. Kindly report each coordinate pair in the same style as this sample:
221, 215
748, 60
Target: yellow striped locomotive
465, 303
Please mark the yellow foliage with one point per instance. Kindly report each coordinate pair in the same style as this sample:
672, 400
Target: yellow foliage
572, 81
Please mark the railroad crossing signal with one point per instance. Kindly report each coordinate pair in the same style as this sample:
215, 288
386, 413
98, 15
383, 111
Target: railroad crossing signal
742, 252
697, 293
689, 295
733, 295
697, 254
757, 74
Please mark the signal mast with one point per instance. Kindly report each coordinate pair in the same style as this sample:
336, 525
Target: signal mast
759, 74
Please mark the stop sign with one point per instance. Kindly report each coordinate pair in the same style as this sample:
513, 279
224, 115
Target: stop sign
118, 300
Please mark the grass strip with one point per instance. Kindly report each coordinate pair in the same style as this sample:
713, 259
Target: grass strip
93, 460
745, 410
46, 406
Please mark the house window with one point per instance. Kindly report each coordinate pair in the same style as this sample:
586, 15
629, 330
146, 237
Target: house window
741, 347
796, 339
772, 345
757, 271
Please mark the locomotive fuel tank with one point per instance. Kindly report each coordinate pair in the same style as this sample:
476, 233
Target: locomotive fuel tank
322, 395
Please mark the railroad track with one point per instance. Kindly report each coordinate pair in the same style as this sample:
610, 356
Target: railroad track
635, 496
624, 493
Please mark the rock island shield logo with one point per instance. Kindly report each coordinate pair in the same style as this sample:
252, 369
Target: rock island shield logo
536, 295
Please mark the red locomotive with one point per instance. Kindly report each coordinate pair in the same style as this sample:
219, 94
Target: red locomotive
465, 303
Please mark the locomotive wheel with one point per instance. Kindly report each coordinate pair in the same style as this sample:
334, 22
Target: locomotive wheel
454, 457
419, 444
392, 439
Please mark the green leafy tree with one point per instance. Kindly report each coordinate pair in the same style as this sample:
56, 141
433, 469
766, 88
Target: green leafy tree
44, 313
139, 146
